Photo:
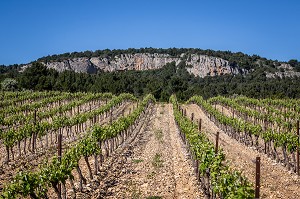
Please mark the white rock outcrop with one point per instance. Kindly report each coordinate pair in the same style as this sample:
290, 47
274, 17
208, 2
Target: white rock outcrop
201, 65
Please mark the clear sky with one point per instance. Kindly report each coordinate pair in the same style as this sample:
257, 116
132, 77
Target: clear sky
30, 29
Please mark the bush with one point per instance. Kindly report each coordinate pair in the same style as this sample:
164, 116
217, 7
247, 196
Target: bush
9, 84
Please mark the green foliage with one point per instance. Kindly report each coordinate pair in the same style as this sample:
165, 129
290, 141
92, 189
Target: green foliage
225, 182
153, 197
157, 162
9, 71
42, 127
26, 184
9, 84
162, 83
283, 138
159, 135
294, 62
54, 172
137, 161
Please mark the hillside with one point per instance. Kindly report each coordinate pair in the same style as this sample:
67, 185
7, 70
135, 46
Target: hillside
162, 72
201, 63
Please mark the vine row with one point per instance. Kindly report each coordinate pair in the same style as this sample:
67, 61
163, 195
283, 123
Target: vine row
216, 178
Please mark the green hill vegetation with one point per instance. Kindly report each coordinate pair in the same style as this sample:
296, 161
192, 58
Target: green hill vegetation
164, 82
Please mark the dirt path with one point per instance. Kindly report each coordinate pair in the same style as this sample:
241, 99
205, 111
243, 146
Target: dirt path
224, 110
276, 181
156, 163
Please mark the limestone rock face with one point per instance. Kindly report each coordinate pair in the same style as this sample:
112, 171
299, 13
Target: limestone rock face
79, 65
141, 61
284, 70
201, 65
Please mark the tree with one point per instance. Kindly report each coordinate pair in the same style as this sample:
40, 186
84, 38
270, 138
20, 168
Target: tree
293, 62
9, 84
37, 77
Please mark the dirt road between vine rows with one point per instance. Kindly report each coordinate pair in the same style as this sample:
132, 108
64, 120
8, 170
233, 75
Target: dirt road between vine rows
156, 163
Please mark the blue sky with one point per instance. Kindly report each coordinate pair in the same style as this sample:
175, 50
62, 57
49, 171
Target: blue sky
35, 28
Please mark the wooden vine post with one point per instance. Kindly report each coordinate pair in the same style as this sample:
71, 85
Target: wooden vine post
59, 149
110, 119
298, 147
34, 133
217, 143
200, 124
257, 178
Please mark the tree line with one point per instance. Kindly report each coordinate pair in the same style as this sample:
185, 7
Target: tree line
162, 83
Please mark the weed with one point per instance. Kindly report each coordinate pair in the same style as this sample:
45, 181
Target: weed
163, 109
151, 175
157, 161
136, 194
153, 197
158, 134
137, 160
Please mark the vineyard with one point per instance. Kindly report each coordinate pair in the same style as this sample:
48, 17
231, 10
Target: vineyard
86, 145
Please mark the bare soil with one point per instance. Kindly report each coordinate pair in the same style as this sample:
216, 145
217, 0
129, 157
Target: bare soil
155, 163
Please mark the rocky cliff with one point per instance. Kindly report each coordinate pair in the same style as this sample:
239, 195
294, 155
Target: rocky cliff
80, 65
284, 70
201, 65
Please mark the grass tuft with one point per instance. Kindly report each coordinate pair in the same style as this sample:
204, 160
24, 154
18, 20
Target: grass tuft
157, 162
